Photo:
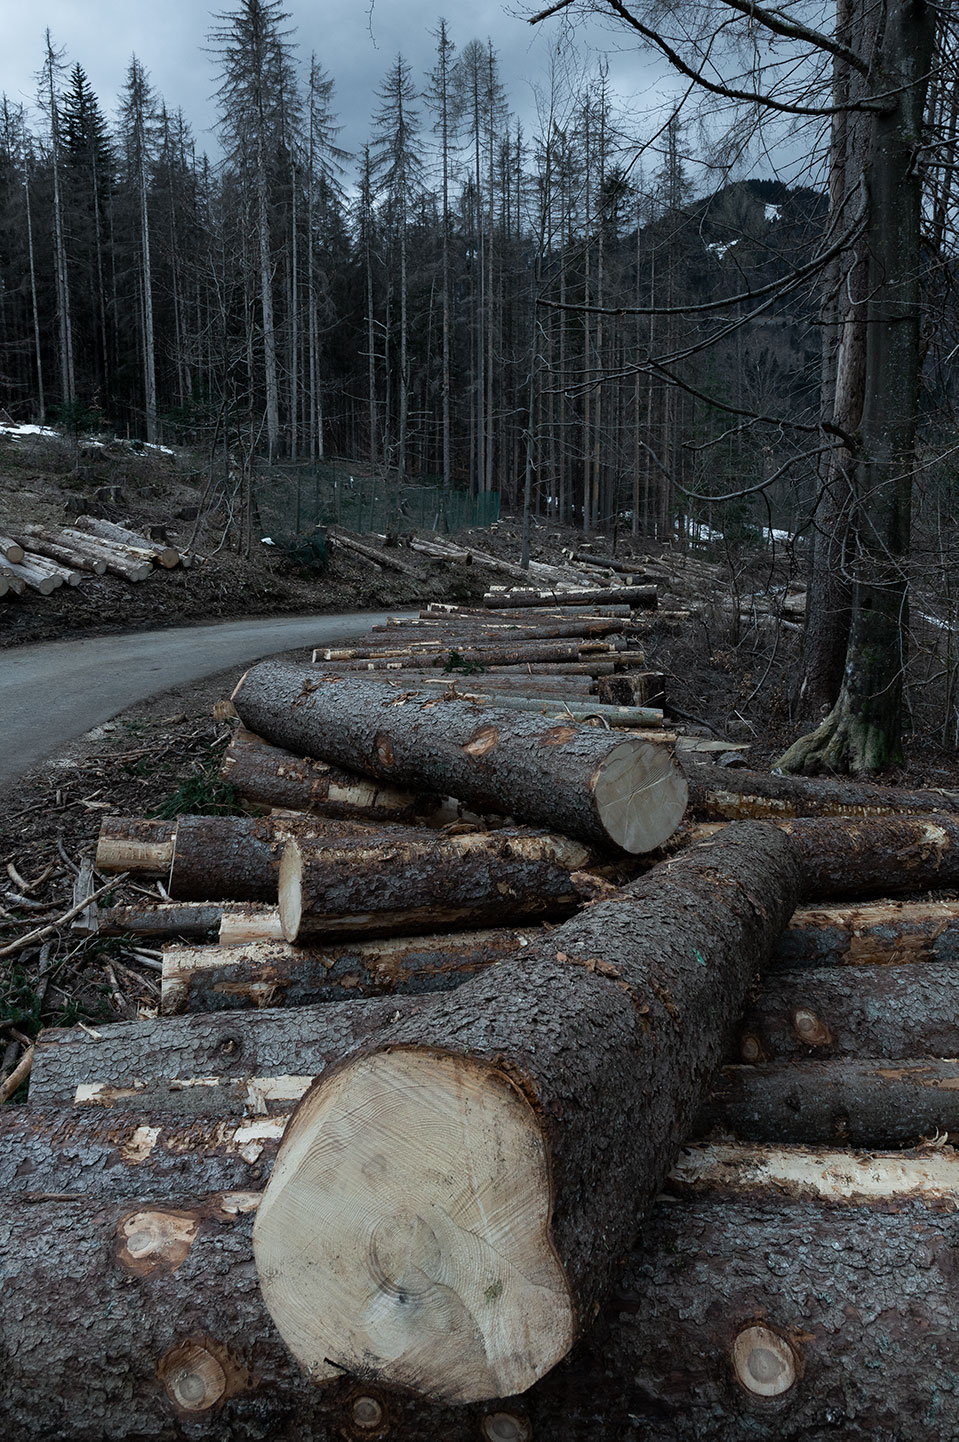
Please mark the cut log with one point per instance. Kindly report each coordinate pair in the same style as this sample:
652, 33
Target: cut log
573, 778
553, 687
13, 583
131, 541
479, 656
628, 717
546, 1098
382, 558
205, 1065
845, 858
718, 794
550, 611
887, 1011
267, 775
510, 628
237, 858
56, 546
221, 978
738, 1320
641, 597
37, 577
847, 1101
129, 843
362, 889
68, 575
10, 550
882, 933
119, 562
235, 923
593, 667
637, 688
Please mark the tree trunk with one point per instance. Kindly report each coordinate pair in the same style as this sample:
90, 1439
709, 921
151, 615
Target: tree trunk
862, 733
572, 778
717, 793
845, 858
846, 1101
882, 1011
639, 597
885, 933
221, 978
737, 1318
500, 1085
266, 775
391, 888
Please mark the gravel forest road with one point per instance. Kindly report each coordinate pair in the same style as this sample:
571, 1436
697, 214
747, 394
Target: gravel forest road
52, 693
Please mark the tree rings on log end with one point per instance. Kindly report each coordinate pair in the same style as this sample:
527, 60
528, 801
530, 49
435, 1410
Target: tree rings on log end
640, 796
404, 1234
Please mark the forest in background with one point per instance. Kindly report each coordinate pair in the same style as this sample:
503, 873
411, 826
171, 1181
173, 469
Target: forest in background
418, 317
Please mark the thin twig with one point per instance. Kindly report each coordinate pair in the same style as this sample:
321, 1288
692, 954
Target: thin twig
17, 1077
44, 931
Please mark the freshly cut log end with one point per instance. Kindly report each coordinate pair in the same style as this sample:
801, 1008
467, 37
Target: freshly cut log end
637, 798
379, 1255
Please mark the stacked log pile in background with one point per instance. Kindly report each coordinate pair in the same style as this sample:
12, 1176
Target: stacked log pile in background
45, 557
548, 1092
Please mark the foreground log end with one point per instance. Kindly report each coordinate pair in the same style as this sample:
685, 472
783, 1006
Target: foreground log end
640, 794
404, 1235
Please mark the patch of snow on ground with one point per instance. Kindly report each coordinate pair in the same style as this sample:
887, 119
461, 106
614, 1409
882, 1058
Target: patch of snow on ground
719, 248
15, 431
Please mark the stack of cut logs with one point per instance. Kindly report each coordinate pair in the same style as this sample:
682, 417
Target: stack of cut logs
44, 558
473, 1122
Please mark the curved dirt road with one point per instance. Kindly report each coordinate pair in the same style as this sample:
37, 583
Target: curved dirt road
52, 693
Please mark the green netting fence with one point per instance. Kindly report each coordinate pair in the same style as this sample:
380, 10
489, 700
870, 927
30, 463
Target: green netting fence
293, 500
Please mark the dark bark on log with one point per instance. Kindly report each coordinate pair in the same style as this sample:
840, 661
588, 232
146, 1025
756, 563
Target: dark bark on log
238, 857
171, 1339
451, 632
233, 921
883, 933
718, 794
572, 778
883, 1011
843, 857
398, 669
570, 688
548, 612
146, 1065
448, 883
620, 1015
267, 775
644, 597
638, 688
845, 1102
522, 654
472, 688
216, 978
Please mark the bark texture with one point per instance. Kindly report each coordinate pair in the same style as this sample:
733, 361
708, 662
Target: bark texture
883, 933
172, 1339
883, 1011
267, 775
571, 778
717, 793
845, 858
848, 1101
610, 1029
219, 978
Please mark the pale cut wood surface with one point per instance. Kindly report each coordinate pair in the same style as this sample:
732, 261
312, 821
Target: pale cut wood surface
375, 1248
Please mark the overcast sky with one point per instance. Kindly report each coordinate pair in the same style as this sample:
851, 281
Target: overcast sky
354, 45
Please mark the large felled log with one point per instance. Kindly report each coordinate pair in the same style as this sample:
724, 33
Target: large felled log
13, 583
437, 609
10, 549
267, 775
643, 597
632, 717
34, 575
880, 933
479, 655
547, 1097
218, 978
844, 857
718, 794
847, 1101
450, 882
887, 1011
381, 558
68, 574
738, 1319
579, 780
